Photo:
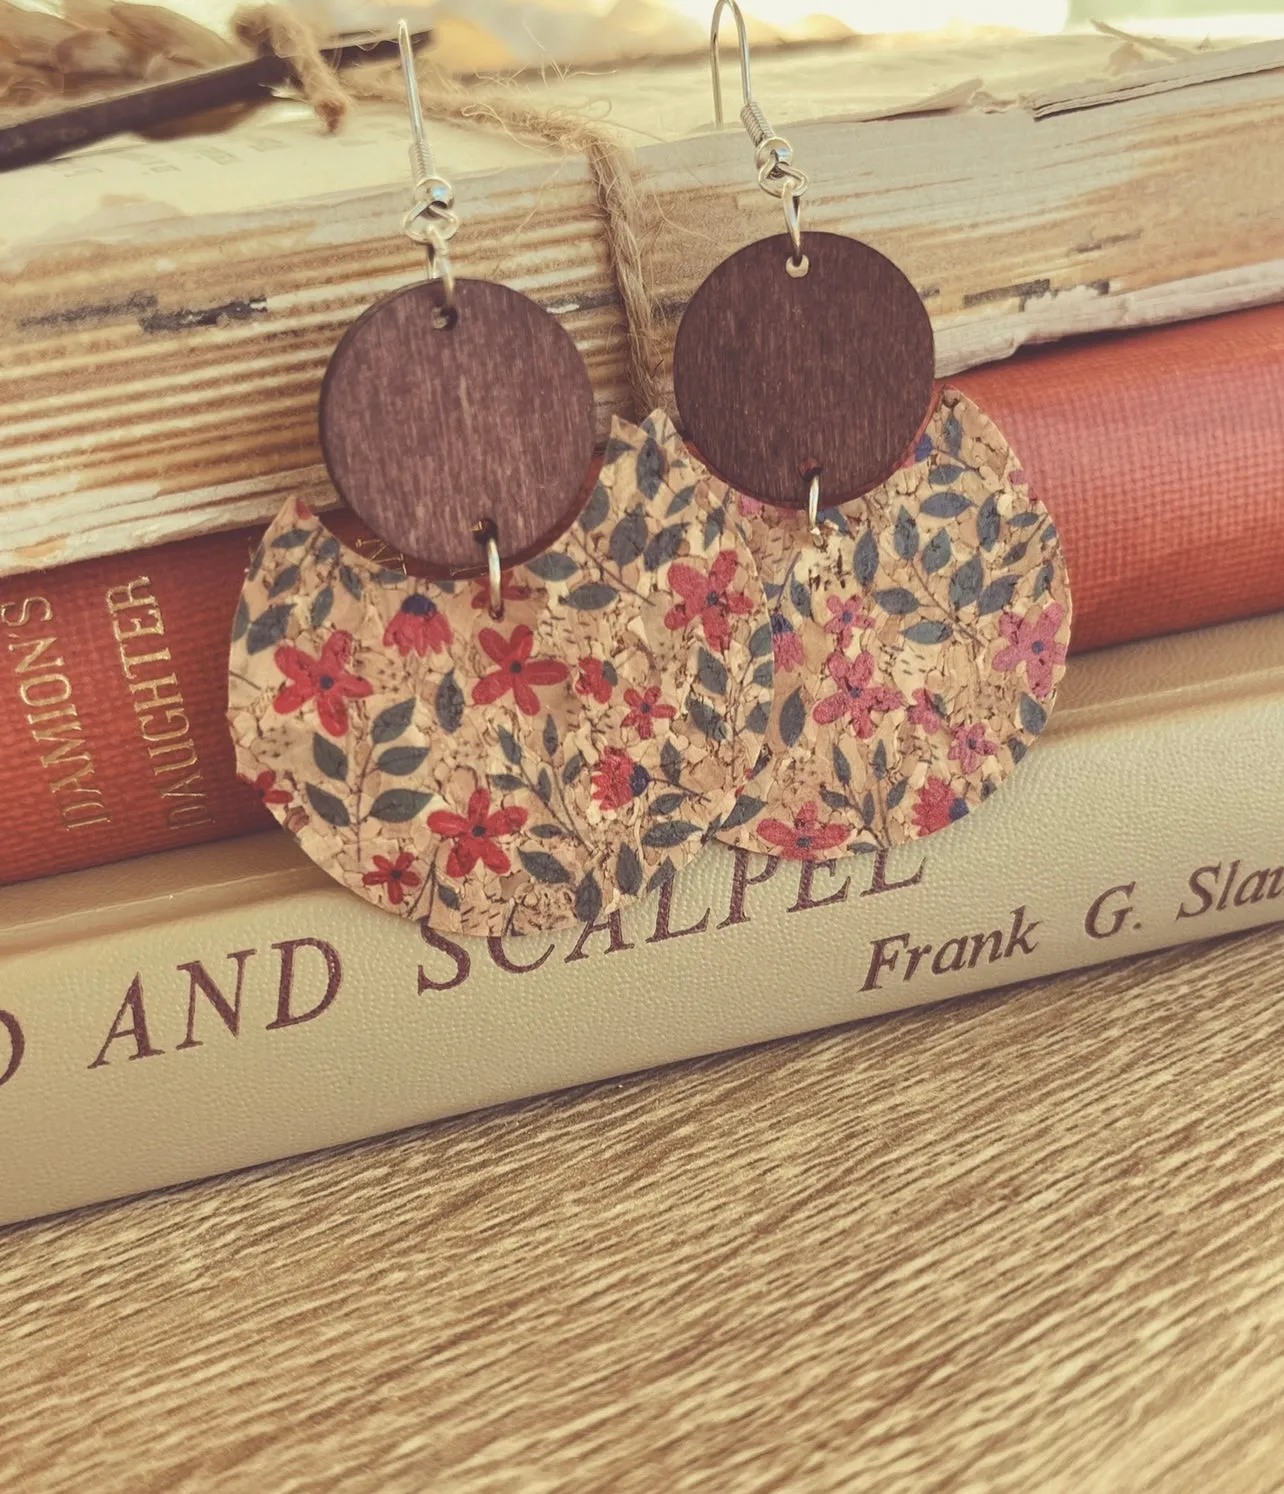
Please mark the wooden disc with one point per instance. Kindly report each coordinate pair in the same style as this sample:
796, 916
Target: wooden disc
778, 376
428, 431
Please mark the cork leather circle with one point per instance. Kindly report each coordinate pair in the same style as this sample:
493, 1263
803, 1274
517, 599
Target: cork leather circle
918, 646
522, 774
429, 431
776, 376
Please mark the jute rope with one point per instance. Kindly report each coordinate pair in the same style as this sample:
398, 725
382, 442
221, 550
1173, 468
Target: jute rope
621, 200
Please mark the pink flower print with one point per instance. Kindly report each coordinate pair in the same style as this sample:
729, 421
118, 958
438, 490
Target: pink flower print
786, 646
418, 627
707, 600
937, 806
971, 747
393, 876
517, 670
618, 780
749, 507
845, 616
645, 709
806, 838
268, 791
593, 679
923, 713
1032, 641
473, 834
855, 697
325, 680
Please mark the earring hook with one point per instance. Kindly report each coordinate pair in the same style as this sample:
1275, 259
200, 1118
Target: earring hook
420, 154
742, 41
431, 219
777, 175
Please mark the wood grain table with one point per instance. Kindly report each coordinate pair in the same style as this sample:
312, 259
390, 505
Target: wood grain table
1031, 1241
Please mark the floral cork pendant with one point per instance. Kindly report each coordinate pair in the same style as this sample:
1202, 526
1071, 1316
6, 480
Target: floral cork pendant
918, 643
506, 777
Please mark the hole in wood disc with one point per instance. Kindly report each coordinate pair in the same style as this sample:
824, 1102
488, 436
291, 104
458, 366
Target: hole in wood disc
425, 428
834, 368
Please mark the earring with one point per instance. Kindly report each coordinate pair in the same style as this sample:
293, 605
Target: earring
920, 606
571, 699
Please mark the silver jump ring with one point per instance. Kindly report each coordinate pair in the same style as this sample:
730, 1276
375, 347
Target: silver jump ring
774, 158
494, 578
440, 269
813, 505
424, 222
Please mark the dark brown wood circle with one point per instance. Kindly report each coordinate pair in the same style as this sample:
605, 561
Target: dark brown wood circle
430, 431
777, 376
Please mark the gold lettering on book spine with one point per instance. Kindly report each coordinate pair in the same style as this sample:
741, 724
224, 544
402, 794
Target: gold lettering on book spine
43, 686
157, 698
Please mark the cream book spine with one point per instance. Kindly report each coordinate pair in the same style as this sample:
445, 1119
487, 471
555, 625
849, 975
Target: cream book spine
199, 1011
170, 306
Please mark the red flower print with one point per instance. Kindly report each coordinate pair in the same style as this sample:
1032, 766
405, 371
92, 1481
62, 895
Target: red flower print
593, 679
324, 680
474, 834
517, 670
845, 616
937, 806
924, 712
645, 710
805, 839
418, 627
786, 646
706, 600
970, 747
268, 792
301, 510
393, 876
510, 590
1032, 641
855, 698
618, 780
749, 507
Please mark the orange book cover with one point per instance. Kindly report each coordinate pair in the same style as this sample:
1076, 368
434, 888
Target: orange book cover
1159, 453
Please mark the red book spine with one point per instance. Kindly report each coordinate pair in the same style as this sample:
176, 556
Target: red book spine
113, 694
1159, 453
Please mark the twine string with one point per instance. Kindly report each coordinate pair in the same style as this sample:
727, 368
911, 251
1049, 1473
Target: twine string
621, 201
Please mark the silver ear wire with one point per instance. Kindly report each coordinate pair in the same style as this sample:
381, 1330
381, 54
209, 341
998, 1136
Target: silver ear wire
773, 154
742, 37
430, 219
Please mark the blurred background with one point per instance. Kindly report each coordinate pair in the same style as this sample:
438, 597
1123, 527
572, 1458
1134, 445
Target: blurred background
53, 51
507, 32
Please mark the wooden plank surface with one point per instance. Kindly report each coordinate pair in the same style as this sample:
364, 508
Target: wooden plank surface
1026, 1241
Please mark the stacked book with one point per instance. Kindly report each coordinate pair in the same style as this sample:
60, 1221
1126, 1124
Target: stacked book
181, 992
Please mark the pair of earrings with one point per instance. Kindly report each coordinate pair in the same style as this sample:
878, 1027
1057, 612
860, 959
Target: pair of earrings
832, 622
